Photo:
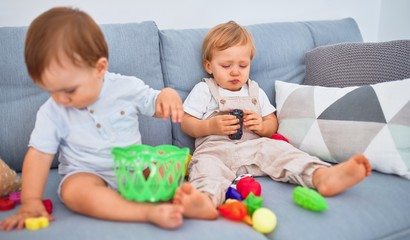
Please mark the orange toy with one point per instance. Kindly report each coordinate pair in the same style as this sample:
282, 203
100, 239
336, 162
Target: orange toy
233, 210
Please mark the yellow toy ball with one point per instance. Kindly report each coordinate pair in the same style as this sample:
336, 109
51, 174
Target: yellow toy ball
264, 220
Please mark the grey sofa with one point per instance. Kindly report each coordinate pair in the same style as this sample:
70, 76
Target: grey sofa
377, 208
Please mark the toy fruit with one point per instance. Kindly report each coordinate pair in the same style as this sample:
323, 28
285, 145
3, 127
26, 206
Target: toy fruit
232, 193
278, 136
48, 204
252, 203
264, 220
309, 199
34, 224
247, 185
6, 204
233, 210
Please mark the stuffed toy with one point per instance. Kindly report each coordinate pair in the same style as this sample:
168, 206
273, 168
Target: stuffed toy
9, 180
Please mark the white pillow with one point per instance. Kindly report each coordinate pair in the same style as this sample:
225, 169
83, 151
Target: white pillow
336, 123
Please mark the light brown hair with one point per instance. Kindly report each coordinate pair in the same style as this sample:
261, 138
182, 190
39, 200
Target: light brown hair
223, 36
63, 31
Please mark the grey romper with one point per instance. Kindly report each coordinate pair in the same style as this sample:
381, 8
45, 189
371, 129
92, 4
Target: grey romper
218, 160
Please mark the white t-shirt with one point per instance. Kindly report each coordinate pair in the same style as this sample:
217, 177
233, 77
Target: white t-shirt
200, 103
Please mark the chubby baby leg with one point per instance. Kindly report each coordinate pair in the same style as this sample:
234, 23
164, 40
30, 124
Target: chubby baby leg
89, 195
330, 181
196, 204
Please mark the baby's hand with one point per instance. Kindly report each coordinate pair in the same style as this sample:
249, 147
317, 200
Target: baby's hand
31, 208
224, 124
169, 104
252, 121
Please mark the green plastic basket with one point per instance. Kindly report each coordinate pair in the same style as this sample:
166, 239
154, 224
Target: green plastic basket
166, 165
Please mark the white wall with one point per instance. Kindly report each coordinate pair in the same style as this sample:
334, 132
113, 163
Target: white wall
394, 20
197, 13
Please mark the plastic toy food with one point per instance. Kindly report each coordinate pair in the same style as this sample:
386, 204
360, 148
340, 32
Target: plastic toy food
232, 193
6, 204
234, 210
48, 204
252, 203
146, 173
34, 224
247, 185
278, 136
309, 199
238, 114
264, 220
250, 210
16, 197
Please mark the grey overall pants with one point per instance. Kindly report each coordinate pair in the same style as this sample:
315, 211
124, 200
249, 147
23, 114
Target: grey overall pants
218, 160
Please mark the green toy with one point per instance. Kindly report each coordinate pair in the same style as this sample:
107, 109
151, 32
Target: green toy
146, 173
309, 199
253, 202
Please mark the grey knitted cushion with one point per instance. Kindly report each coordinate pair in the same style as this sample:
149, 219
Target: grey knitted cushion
357, 64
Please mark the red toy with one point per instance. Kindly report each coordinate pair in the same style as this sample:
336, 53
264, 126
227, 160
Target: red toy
48, 204
6, 204
234, 210
247, 185
278, 136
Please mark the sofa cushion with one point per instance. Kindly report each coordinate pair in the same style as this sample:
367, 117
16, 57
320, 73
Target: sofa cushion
373, 209
280, 54
68, 225
335, 123
357, 64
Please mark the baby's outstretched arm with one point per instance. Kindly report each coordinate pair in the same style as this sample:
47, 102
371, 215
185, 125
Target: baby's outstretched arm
34, 175
169, 103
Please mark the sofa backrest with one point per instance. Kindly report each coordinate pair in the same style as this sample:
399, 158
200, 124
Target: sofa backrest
166, 58
280, 55
133, 50
20, 98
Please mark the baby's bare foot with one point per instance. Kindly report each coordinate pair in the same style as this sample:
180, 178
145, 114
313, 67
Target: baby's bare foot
336, 179
196, 204
167, 215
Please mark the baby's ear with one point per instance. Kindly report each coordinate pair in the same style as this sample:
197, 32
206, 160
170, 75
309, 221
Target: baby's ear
207, 67
102, 65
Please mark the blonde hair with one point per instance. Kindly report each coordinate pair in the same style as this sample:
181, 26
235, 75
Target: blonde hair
63, 31
224, 36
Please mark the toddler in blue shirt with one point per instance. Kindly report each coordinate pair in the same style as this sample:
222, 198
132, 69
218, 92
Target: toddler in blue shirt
89, 112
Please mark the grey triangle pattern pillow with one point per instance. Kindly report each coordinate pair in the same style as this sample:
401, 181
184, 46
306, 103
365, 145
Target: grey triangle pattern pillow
336, 123
357, 64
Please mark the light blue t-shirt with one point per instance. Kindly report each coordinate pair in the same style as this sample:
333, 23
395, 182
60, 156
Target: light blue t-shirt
85, 137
